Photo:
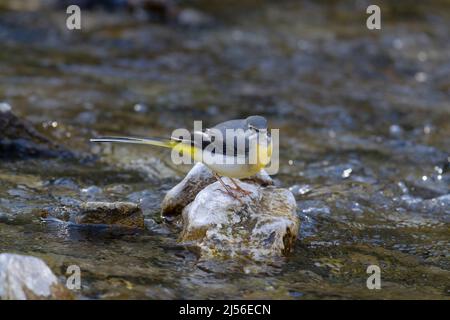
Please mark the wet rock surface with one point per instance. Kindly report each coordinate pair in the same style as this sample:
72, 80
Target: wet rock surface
263, 225
257, 226
28, 278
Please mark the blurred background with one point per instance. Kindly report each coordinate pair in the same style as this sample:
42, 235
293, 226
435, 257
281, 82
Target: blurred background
364, 115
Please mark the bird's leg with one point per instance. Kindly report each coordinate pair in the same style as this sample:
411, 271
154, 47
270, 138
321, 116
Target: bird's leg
227, 188
239, 188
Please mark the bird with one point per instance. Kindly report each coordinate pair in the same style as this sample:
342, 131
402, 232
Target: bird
235, 149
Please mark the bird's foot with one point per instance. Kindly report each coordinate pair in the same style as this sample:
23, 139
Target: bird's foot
229, 190
242, 191
239, 189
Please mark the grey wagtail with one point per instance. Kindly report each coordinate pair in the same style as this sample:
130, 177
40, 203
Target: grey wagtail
226, 155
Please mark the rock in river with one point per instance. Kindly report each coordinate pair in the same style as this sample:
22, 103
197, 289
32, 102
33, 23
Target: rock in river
124, 214
25, 277
264, 224
19, 139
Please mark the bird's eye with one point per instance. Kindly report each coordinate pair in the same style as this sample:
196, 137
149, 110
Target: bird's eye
253, 128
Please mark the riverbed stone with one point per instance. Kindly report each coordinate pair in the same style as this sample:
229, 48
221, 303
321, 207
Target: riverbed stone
28, 278
123, 214
197, 179
261, 225
126, 214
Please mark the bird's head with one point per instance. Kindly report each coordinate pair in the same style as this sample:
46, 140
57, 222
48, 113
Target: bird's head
257, 123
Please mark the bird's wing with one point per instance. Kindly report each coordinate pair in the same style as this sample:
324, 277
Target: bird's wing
215, 139
235, 145
231, 124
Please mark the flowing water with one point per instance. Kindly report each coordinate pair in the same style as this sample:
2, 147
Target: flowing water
364, 119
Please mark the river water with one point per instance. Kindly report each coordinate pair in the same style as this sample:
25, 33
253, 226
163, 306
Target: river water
364, 119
